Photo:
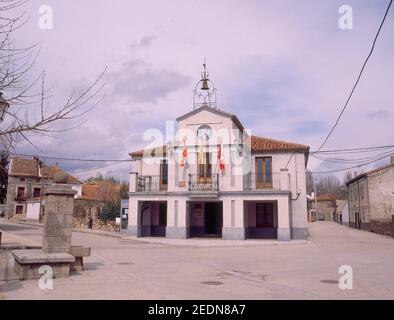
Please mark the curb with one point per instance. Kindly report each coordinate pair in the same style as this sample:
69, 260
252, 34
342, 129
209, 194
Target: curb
90, 231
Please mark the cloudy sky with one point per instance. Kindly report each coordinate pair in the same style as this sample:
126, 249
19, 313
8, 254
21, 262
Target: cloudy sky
284, 67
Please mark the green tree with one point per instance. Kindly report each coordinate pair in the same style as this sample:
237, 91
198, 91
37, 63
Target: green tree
110, 211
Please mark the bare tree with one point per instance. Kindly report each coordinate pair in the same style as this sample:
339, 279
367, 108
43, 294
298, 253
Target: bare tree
30, 112
309, 182
348, 176
328, 184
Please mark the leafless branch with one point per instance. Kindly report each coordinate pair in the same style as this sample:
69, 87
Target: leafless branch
30, 111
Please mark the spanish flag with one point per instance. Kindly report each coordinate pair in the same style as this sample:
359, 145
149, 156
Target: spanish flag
183, 155
221, 158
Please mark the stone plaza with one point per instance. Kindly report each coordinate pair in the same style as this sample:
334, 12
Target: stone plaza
124, 267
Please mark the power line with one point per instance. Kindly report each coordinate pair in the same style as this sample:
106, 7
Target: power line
354, 150
70, 159
342, 160
349, 150
94, 169
358, 78
348, 168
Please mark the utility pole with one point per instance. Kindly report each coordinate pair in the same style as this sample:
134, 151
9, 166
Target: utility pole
314, 187
42, 166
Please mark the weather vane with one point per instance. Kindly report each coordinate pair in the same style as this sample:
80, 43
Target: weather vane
205, 91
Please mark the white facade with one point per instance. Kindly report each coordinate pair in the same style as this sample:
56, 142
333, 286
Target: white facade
261, 193
33, 210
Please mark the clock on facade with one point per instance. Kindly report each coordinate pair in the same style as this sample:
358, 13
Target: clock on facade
204, 132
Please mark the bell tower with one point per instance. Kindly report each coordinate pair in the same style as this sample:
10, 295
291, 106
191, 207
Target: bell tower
204, 95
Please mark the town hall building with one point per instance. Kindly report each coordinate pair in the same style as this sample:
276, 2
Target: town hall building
216, 179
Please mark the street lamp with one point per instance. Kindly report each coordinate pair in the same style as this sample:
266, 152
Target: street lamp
4, 105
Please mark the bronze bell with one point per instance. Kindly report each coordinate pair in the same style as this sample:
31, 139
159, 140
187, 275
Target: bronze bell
205, 84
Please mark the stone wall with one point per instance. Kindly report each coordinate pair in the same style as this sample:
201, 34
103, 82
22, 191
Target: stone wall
358, 193
381, 194
86, 216
383, 227
325, 210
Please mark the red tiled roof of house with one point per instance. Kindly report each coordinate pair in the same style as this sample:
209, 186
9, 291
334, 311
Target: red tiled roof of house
258, 144
326, 197
101, 191
29, 168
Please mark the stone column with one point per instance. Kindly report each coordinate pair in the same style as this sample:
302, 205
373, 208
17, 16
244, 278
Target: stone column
133, 181
58, 217
233, 219
134, 227
283, 219
177, 219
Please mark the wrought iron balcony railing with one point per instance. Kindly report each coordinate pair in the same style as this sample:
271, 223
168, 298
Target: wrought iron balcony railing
269, 181
197, 183
151, 183
20, 198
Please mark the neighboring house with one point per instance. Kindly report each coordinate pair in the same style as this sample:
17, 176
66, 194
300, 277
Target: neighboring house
311, 203
26, 179
235, 187
89, 205
342, 212
371, 200
326, 207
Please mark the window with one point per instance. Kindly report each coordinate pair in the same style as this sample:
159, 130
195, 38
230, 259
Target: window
20, 192
163, 174
205, 168
18, 209
22, 179
263, 172
36, 192
264, 215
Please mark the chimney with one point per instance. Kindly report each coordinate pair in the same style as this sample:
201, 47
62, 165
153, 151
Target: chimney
392, 160
355, 174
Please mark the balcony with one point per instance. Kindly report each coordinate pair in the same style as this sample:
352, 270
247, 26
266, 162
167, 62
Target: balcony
150, 183
197, 183
210, 186
20, 198
271, 182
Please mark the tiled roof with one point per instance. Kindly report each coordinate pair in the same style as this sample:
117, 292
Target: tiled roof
29, 168
216, 111
101, 191
259, 144
24, 167
154, 152
326, 197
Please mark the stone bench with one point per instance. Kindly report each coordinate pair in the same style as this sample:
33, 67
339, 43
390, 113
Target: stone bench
78, 252
27, 263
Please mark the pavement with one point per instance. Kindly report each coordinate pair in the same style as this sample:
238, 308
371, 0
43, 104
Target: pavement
123, 267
